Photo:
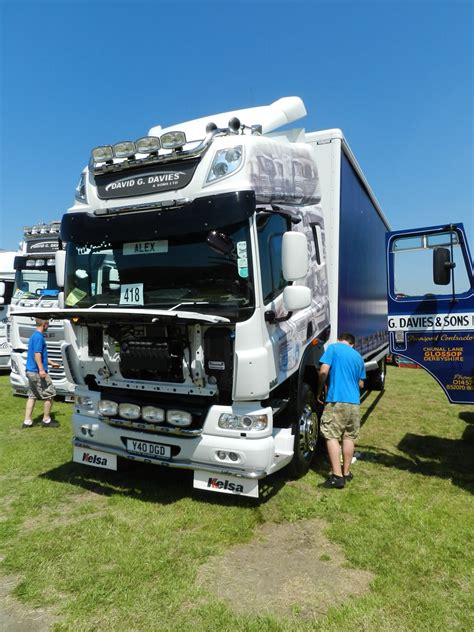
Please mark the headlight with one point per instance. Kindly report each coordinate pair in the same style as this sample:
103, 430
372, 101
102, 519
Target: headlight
126, 149
243, 422
84, 401
179, 418
103, 154
107, 408
14, 366
173, 140
226, 162
153, 415
81, 188
148, 144
129, 411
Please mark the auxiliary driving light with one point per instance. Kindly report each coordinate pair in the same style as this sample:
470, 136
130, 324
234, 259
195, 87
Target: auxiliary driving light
107, 408
84, 401
129, 411
153, 415
125, 149
50, 262
173, 140
39, 263
179, 418
30, 263
147, 144
103, 154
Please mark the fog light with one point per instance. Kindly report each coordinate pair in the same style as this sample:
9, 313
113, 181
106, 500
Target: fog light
84, 401
103, 154
129, 411
233, 456
173, 140
153, 415
148, 144
107, 407
179, 418
126, 149
221, 455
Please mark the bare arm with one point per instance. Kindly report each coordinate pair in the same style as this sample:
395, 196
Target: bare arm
322, 378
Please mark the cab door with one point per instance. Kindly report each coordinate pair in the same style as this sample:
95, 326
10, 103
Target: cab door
431, 305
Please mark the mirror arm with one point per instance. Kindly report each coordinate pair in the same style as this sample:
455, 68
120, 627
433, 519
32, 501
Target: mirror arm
452, 265
270, 317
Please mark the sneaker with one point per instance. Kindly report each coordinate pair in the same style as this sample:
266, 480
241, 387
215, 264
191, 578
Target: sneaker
27, 424
50, 424
348, 477
333, 482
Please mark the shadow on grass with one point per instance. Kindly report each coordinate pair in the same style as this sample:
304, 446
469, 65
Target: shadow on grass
154, 484
449, 459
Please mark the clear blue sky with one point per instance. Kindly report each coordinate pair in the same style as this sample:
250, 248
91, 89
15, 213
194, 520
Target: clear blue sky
396, 76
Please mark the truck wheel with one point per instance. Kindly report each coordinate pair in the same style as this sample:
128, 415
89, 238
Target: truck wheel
306, 430
376, 379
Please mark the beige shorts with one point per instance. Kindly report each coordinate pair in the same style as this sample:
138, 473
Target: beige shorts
340, 421
40, 387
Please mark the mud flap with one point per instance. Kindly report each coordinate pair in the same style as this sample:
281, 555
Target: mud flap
225, 484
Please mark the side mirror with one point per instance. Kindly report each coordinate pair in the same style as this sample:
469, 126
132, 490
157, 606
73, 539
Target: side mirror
296, 297
442, 266
2, 288
294, 256
60, 264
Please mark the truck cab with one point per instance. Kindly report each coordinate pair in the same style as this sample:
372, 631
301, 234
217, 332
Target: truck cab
7, 274
431, 305
35, 287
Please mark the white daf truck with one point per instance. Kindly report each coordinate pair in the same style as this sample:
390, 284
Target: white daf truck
207, 265
7, 275
35, 286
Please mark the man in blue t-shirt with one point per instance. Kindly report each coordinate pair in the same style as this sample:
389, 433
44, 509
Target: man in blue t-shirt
41, 386
340, 422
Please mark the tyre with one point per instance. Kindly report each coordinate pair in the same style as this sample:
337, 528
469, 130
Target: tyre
305, 425
376, 379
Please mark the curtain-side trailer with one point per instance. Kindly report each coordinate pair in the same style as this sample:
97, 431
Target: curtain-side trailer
206, 267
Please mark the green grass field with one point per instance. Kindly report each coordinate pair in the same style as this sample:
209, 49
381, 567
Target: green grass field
115, 551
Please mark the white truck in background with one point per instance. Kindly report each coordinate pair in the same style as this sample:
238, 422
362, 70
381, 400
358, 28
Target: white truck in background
35, 286
207, 265
7, 276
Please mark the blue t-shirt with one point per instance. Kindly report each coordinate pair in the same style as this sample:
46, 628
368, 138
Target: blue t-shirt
37, 344
347, 368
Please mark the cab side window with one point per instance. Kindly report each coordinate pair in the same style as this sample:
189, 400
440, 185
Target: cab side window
270, 233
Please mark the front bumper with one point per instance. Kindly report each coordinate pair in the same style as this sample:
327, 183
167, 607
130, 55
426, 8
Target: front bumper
258, 457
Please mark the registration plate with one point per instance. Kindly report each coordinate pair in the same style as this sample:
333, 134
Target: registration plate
148, 448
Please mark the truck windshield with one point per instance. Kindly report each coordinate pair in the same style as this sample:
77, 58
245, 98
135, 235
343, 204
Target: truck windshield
31, 283
181, 272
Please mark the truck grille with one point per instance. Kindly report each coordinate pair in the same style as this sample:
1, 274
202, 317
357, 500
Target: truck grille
54, 354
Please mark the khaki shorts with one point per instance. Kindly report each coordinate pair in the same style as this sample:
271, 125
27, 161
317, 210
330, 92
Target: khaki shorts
40, 387
340, 421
